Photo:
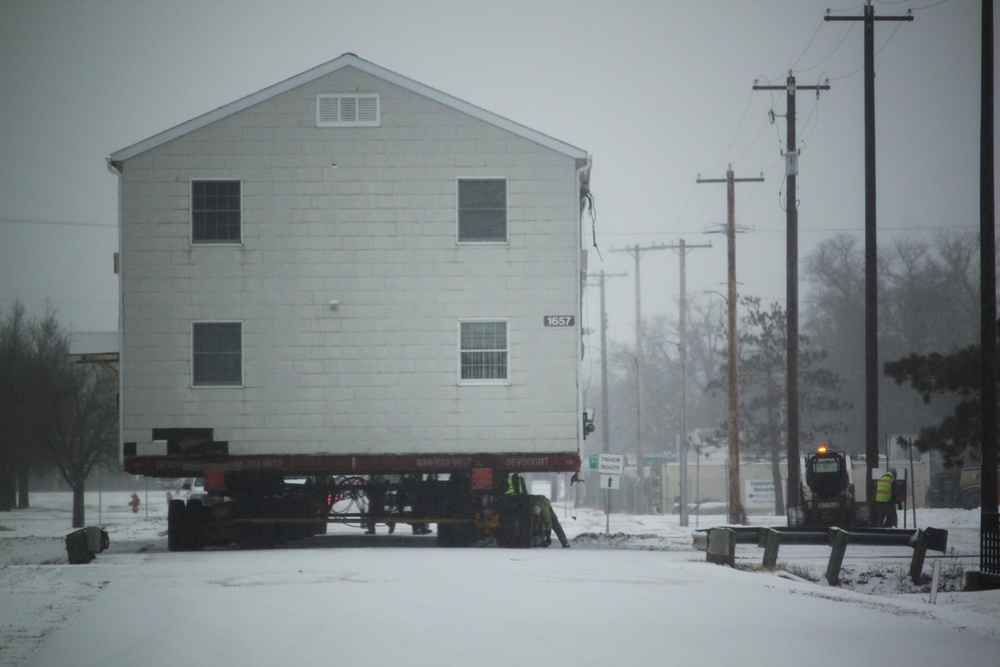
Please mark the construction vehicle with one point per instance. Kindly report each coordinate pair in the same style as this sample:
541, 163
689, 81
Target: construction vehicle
827, 492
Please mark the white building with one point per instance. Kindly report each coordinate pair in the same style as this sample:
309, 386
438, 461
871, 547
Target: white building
351, 262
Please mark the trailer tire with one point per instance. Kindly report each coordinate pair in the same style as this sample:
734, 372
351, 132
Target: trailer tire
176, 526
259, 533
515, 522
446, 535
194, 530
456, 534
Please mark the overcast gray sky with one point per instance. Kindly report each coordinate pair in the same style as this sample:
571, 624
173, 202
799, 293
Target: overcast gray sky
658, 93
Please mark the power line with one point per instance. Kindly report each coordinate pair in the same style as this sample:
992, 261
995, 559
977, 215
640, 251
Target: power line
735, 134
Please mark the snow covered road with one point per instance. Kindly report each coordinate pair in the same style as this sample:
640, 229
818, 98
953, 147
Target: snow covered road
588, 605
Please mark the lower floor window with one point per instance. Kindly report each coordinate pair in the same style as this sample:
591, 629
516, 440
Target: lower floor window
483, 346
217, 354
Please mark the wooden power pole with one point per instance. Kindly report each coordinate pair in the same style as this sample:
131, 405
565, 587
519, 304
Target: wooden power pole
637, 252
792, 288
682, 250
603, 278
736, 513
871, 248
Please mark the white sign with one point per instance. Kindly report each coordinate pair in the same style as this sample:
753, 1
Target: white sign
611, 464
758, 494
610, 481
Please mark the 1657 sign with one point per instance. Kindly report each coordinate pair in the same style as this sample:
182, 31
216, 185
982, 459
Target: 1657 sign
559, 320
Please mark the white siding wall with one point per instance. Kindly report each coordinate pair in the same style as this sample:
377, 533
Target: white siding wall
377, 234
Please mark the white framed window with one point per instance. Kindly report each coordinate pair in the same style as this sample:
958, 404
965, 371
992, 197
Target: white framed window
349, 110
483, 352
482, 210
217, 354
216, 211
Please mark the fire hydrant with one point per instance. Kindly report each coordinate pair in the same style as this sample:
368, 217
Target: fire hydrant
134, 503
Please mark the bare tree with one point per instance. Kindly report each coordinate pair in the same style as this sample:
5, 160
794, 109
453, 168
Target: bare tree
763, 379
928, 302
73, 410
17, 451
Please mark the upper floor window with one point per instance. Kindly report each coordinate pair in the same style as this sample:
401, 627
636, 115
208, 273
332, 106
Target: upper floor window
216, 211
482, 210
353, 110
483, 351
217, 354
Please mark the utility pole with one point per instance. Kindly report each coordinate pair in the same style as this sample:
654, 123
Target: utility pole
871, 248
636, 251
736, 513
792, 288
682, 250
605, 421
989, 555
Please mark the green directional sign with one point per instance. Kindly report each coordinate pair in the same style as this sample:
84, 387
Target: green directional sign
593, 461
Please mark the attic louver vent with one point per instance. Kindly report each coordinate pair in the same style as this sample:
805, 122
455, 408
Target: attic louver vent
359, 110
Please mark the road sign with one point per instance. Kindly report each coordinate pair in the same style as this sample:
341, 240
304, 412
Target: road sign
611, 464
593, 461
611, 481
758, 494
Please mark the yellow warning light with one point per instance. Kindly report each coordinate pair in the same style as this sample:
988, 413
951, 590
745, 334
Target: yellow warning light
821, 449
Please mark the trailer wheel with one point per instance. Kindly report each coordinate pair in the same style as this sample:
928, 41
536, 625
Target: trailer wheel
515, 522
259, 533
446, 535
194, 530
176, 526
456, 534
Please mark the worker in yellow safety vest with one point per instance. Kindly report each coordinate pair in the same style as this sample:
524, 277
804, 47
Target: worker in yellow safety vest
548, 521
885, 501
515, 485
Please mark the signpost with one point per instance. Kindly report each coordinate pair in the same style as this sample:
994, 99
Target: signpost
611, 464
611, 467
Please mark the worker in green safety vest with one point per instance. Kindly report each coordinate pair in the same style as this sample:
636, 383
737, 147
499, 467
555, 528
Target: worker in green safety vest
548, 520
515, 485
885, 500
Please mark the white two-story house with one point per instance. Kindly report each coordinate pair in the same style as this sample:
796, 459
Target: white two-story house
350, 262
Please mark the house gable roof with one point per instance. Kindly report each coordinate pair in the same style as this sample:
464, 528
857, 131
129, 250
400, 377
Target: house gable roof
346, 60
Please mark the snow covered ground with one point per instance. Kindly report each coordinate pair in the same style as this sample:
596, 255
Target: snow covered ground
640, 594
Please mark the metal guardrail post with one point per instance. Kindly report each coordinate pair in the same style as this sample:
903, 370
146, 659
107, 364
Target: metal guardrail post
838, 543
920, 540
772, 540
721, 547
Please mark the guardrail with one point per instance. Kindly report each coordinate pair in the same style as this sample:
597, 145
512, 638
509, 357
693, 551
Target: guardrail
721, 543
